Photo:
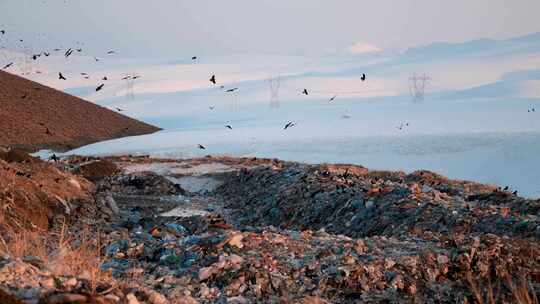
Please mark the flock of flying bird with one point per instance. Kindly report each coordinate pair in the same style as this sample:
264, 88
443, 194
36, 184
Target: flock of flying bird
85, 75
212, 79
68, 53
289, 124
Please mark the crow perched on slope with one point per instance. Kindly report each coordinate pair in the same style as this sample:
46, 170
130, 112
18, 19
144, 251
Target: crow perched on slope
54, 158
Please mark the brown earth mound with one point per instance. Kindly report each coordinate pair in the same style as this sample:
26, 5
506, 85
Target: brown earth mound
36, 117
32, 194
98, 170
17, 155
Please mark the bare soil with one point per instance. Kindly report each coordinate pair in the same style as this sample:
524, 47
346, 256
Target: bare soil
33, 117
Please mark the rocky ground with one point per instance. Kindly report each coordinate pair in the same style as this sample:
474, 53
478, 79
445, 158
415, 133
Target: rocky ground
228, 230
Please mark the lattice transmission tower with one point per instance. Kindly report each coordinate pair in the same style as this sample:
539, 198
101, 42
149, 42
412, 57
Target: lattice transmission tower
5, 56
417, 86
26, 64
234, 103
130, 86
275, 84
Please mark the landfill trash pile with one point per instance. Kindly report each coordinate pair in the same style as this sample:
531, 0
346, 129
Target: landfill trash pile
207, 260
353, 201
282, 232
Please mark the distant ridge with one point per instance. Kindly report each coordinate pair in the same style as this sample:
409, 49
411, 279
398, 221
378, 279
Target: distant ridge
34, 116
439, 50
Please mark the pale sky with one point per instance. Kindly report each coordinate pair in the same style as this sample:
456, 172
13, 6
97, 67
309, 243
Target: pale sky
214, 27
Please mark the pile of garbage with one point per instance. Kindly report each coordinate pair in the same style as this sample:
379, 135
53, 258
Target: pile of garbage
353, 201
209, 262
142, 183
283, 232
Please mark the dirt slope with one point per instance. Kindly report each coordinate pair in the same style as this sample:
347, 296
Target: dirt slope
33, 116
32, 192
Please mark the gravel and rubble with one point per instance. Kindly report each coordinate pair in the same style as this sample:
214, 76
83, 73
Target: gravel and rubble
356, 202
283, 232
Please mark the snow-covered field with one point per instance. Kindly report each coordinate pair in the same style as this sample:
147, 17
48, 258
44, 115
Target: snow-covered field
475, 123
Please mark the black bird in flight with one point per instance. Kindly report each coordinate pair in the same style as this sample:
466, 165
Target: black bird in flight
3, 32
119, 110
24, 96
68, 52
84, 74
290, 124
8, 65
96, 59
110, 52
231, 90
60, 76
305, 92
515, 193
363, 78
56, 50
100, 87
228, 127
333, 98
194, 58
79, 50
505, 188
211, 107
35, 56
201, 147
105, 78
213, 79
46, 54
